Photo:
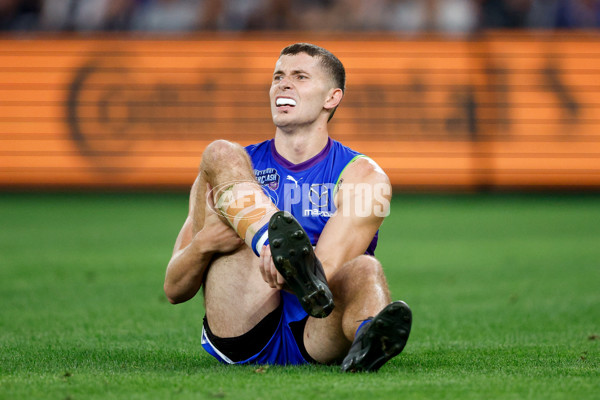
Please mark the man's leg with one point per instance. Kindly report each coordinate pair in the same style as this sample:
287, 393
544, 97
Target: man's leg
236, 296
238, 198
360, 292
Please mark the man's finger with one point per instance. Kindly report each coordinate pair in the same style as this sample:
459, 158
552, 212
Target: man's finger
280, 280
274, 273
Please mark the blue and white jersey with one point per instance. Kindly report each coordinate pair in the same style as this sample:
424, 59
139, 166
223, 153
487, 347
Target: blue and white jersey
306, 190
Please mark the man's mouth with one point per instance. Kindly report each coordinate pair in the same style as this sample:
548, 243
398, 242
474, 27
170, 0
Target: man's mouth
284, 101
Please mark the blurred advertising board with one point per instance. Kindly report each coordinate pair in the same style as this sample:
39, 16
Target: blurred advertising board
498, 111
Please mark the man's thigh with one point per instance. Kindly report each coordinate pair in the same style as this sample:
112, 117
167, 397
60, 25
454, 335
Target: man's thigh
236, 296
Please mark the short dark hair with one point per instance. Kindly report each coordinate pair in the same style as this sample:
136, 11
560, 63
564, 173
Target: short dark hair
332, 64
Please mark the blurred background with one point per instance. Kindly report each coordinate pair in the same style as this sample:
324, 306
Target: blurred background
454, 95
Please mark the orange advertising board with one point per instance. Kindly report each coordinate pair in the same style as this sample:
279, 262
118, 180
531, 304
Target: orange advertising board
499, 111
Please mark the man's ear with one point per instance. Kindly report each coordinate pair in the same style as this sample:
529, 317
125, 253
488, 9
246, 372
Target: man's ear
334, 98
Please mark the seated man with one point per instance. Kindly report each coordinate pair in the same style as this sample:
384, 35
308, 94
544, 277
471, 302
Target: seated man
281, 236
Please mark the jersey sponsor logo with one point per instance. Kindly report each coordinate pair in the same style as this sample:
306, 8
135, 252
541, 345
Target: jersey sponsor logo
317, 213
268, 177
314, 199
318, 195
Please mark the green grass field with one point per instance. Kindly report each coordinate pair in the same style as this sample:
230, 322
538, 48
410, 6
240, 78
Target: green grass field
505, 292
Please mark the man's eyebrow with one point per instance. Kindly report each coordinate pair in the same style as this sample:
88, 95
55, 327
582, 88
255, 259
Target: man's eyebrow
299, 71
294, 72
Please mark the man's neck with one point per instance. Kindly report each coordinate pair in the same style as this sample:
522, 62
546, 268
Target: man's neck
300, 145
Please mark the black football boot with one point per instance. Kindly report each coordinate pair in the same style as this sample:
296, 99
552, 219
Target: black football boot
379, 340
296, 261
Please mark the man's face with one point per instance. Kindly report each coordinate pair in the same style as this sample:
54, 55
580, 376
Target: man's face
299, 90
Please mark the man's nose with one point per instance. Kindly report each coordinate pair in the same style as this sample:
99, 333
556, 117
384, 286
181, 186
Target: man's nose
285, 83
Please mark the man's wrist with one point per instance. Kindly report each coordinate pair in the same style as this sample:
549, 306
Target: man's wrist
204, 243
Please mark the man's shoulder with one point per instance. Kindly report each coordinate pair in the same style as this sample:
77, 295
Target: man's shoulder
364, 169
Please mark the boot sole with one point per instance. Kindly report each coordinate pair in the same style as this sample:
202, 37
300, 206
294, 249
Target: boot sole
295, 260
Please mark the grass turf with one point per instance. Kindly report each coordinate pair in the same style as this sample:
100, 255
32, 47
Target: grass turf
504, 290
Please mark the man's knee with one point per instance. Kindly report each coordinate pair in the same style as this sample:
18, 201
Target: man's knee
363, 268
219, 149
367, 266
223, 152
225, 159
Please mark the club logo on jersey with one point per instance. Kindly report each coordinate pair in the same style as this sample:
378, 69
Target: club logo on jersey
268, 177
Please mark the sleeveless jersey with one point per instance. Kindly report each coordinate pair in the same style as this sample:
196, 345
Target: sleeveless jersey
306, 190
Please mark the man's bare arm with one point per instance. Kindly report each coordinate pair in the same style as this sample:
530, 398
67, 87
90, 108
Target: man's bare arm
192, 253
363, 201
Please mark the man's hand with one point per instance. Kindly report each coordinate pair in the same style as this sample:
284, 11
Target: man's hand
268, 270
192, 253
217, 236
